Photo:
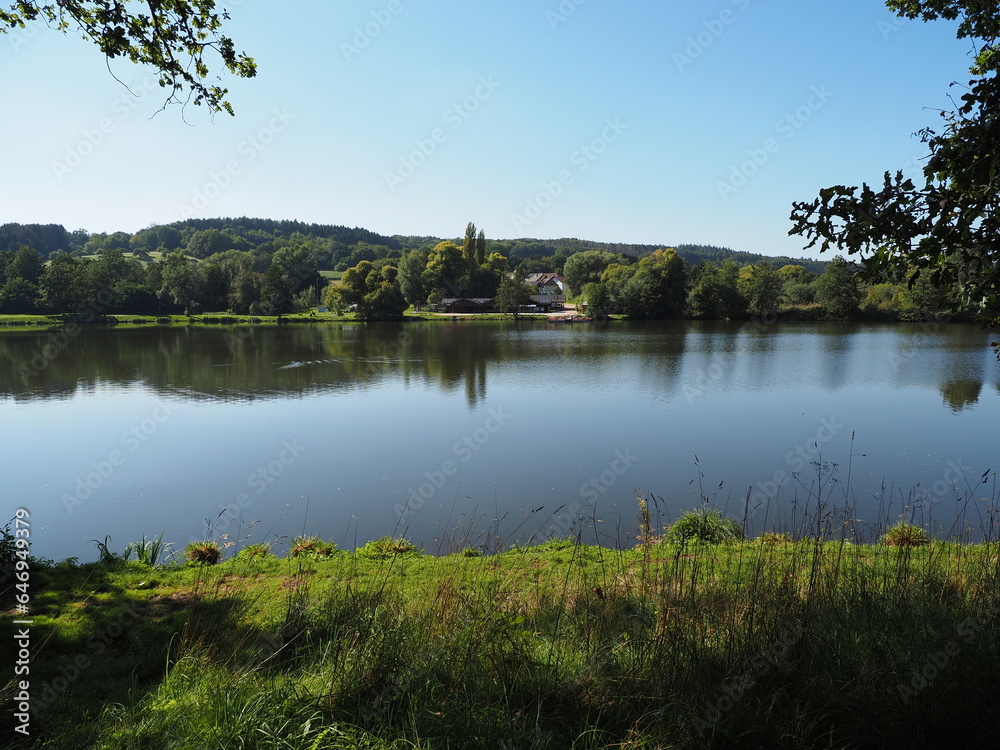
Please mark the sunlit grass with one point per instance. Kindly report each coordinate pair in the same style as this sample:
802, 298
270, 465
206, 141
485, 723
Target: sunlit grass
761, 643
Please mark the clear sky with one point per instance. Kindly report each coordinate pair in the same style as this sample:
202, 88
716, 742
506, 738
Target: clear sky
646, 122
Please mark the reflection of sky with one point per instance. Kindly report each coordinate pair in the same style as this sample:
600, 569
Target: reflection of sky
749, 406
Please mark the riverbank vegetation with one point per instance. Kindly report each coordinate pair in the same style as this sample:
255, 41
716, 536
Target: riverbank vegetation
215, 275
771, 642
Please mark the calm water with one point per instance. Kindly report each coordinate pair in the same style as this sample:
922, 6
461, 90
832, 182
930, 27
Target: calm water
352, 431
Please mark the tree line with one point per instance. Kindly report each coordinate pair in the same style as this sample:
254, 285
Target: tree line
258, 266
661, 285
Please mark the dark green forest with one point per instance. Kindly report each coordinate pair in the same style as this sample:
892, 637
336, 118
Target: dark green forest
269, 267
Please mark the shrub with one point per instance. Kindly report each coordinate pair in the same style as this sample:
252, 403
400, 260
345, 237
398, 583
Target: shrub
258, 550
905, 534
704, 525
312, 546
386, 547
204, 553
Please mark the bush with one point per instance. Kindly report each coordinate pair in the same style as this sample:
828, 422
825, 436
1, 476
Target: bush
905, 534
386, 547
204, 553
258, 550
704, 525
312, 546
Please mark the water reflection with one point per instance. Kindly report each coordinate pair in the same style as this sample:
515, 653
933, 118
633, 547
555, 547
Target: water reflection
961, 394
250, 363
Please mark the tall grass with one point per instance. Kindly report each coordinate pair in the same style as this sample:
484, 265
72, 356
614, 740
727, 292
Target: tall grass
817, 641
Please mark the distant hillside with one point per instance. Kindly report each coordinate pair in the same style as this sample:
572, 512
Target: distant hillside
341, 245
284, 229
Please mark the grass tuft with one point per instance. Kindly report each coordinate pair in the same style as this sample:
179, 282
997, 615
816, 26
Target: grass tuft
905, 534
312, 546
203, 553
705, 524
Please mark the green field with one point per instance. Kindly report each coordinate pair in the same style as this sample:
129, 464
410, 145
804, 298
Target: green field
767, 643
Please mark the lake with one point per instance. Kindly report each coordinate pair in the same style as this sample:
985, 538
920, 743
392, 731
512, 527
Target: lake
486, 434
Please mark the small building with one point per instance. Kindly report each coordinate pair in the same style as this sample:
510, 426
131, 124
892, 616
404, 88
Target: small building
547, 283
545, 303
467, 305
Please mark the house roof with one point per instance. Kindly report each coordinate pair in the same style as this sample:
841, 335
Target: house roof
473, 300
543, 278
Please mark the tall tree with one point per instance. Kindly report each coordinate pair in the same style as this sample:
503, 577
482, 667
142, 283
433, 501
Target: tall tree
481, 248
838, 289
658, 288
445, 272
585, 268
25, 265
716, 294
513, 294
61, 287
760, 286
469, 245
177, 280
411, 271
374, 291
948, 227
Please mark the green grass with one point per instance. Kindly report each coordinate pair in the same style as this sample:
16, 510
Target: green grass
756, 643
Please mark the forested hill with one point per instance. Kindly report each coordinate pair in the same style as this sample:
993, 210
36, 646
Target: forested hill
693, 254
336, 247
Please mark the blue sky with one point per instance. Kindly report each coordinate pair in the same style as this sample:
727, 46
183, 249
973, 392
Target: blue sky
647, 122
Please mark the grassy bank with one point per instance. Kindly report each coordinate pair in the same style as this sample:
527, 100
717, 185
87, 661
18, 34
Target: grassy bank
35, 322
764, 643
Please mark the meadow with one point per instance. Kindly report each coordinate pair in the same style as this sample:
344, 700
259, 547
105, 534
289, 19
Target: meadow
690, 639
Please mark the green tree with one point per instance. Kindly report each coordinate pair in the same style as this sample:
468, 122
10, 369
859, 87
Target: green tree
760, 285
586, 267
174, 36
411, 276
598, 300
153, 238
25, 265
375, 292
445, 271
481, 248
716, 294
469, 244
883, 302
244, 291
177, 280
62, 287
839, 289
513, 294
948, 227
18, 296
797, 284
276, 294
499, 263
658, 288
614, 278
298, 264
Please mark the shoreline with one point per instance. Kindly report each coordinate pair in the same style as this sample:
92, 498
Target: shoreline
652, 646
